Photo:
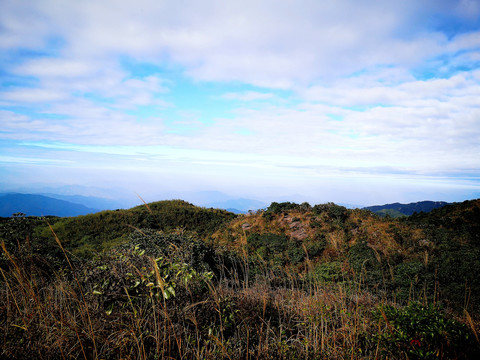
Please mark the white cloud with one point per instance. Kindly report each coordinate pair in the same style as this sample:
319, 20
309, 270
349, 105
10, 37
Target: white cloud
63, 79
357, 103
263, 43
84, 123
361, 91
32, 95
56, 68
248, 96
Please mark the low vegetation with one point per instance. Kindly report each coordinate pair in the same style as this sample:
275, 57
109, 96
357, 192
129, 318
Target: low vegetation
294, 281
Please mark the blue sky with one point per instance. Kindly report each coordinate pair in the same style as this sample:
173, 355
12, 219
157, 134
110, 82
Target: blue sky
358, 102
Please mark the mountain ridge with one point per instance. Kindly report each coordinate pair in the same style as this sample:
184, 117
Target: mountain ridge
40, 205
397, 209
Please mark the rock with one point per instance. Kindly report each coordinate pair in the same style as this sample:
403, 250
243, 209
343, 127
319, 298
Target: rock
294, 225
299, 234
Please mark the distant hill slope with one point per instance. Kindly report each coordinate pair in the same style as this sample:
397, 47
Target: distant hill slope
106, 228
397, 209
461, 220
39, 205
93, 202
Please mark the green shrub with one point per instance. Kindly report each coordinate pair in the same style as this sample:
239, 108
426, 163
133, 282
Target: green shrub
183, 248
333, 211
315, 248
272, 248
285, 207
330, 271
423, 332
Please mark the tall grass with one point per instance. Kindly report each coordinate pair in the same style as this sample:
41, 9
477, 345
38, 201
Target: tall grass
120, 306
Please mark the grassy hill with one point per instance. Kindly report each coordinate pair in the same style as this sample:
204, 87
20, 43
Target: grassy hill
95, 232
171, 280
428, 254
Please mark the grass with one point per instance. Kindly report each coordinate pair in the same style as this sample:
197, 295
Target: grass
71, 316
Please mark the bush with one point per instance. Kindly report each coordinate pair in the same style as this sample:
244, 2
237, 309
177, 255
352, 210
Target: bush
423, 332
272, 248
333, 211
285, 207
184, 248
330, 271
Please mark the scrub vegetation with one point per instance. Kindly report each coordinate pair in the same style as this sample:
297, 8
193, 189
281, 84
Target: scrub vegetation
292, 281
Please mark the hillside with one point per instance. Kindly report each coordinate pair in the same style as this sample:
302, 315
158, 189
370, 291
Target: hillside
94, 232
40, 205
397, 209
172, 280
404, 256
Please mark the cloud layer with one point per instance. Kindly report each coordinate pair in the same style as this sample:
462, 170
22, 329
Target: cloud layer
307, 88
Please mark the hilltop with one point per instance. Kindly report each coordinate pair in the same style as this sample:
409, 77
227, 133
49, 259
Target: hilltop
90, 233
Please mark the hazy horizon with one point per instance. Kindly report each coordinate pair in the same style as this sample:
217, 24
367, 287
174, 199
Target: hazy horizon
362, 103
125, 198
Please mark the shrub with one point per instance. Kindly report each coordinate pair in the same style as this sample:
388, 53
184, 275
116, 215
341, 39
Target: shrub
330, 271
423, 332
285, 207
271, 247
333, 211
183, 247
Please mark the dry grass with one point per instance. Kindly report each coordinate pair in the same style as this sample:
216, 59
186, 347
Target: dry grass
59, 319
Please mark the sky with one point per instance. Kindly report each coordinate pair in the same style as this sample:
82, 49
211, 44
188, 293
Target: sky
360, 102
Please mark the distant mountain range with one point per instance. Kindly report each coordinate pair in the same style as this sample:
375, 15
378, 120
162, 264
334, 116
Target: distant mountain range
92, 201
220, 200
397, 209
238, 206
40, 205
73, 205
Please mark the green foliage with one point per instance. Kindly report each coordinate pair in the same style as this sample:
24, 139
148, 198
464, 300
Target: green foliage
295, 253
390, 213
228, 310
365, 262
161, 291
316, 247
285, 207
150, 264
18, 234
85, 235
180, 247
329, 272
454, 264
332, 210
17, 230
413, 278
454, 231
458, 220
423, 332
275, 249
